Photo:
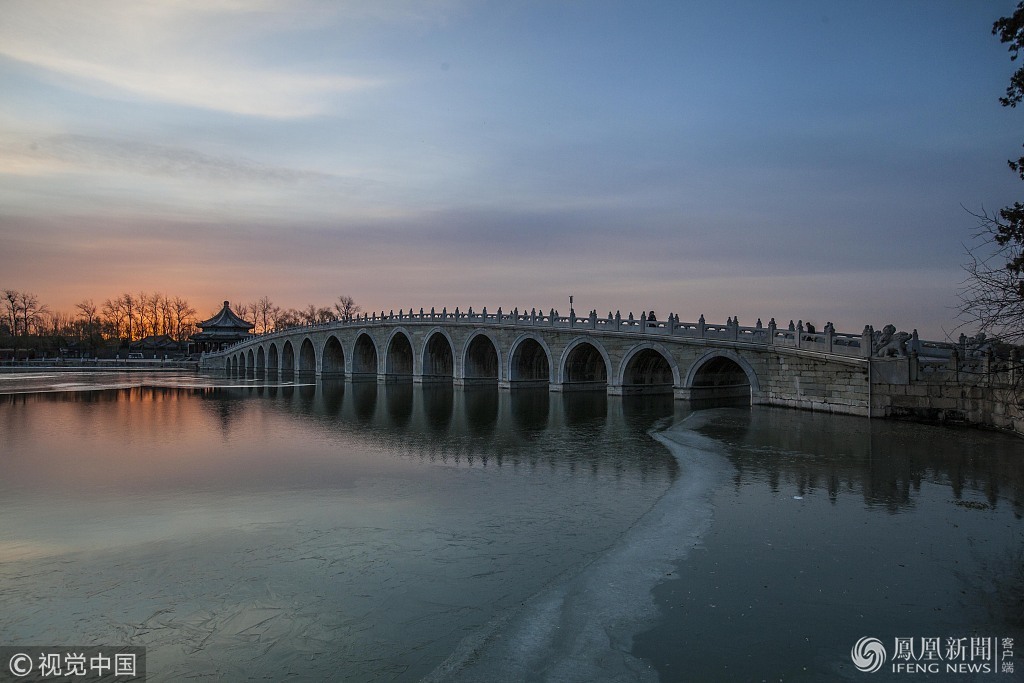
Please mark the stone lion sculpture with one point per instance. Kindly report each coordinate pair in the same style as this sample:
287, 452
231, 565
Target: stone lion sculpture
891, 343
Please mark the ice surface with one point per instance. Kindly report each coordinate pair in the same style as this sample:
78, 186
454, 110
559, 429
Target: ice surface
581, 627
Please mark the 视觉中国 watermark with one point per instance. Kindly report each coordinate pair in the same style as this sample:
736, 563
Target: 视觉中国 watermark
121, 663
935, 655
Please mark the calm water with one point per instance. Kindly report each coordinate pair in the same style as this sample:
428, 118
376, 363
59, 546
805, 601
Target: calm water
246, 529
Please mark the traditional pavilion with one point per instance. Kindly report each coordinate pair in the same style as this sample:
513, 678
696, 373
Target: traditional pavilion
221, 330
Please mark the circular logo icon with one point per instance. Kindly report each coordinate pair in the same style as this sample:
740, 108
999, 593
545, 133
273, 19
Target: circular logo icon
868, 655
20, 664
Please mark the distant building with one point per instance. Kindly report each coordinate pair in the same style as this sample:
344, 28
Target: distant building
221, 330
158, 346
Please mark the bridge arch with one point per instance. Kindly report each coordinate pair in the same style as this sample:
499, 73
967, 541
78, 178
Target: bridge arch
261, 359
584, 363
332, 358
529, 361
481, 360
227, 364
250, 361
438, 355
721, 374
398, 359
287, 357
307, 357
364, 355
648, 368
272, 357
241, 362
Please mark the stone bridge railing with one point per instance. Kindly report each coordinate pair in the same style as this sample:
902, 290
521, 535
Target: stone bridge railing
794, 336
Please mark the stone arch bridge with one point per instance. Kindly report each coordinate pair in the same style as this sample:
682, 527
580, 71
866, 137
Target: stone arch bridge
790, 366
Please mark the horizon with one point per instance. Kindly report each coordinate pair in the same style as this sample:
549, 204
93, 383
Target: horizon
804, 161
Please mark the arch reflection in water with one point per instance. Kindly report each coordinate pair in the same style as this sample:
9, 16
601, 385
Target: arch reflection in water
479, 423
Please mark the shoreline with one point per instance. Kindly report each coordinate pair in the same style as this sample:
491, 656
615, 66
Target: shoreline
106, 366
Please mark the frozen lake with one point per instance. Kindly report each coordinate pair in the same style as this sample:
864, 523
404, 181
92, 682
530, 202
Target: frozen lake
252, 529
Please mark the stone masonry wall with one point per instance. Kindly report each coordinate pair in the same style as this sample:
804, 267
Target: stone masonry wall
949, 403
813, 384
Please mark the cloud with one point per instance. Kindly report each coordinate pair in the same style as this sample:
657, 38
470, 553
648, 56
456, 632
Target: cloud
88, 153
203, 55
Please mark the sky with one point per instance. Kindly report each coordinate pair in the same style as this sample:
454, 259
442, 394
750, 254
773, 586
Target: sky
798, 160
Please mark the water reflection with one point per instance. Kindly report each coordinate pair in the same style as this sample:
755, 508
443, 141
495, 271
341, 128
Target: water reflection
884, 462
360, 529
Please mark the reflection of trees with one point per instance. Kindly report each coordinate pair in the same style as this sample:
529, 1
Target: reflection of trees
883, 461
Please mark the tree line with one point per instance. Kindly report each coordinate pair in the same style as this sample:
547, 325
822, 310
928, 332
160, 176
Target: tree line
268, 317
28, 323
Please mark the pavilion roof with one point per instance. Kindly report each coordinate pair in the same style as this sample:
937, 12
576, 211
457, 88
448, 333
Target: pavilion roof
226, 321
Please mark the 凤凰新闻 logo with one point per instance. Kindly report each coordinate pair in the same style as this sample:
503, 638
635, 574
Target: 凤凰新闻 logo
868, 655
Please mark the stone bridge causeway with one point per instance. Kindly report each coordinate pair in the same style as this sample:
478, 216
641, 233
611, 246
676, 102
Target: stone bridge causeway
764, 364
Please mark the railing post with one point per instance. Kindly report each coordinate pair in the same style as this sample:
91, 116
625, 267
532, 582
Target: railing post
702, 326
867, 341
830, 334
772, 327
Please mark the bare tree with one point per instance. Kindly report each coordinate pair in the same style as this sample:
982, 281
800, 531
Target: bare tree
288, 318
29, 311
244, 311
56, 324
346, 307
131, 312
11, 309
87, 313
150, 314
166, 315
115, 317
992, 295
264, 313
184, 318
